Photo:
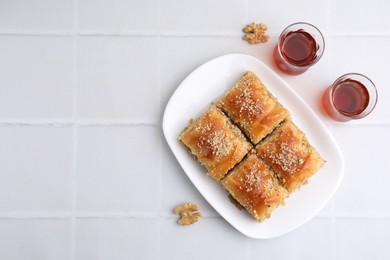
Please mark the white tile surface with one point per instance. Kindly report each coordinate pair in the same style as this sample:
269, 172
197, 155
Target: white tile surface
303, 243
35, 169
212, 236
279, 14
216, 17
114, 74
36, 77
362, 238
177, 187
35, 239
117, 239
109, 178
176, 61
84, 170
118, 15
360, 16
36, 15
364, 190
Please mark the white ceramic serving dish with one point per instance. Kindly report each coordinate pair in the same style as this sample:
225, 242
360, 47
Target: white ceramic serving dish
195, 95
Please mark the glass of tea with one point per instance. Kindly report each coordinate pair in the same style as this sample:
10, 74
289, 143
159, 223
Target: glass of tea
352, 96
300, 46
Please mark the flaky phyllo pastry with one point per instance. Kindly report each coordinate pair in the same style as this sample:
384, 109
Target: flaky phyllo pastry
215, 142
248, 142
255, 110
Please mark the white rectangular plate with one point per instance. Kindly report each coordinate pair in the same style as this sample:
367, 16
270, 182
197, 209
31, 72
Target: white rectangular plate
195, 95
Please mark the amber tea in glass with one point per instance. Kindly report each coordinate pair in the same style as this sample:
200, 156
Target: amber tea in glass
352, 96
299, 47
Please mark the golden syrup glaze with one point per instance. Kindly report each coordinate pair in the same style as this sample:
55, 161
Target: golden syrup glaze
290, 155
255, 187
252, 107
215, 142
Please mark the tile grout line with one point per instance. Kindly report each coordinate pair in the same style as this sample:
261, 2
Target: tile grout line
329, 46
132, 123
119, 123
382, 216
160, 179
248, 248
169, 34
333, 245
74, 187
75, 131
246, 10
329, 16
328, 49
35, 216
71, 122
330, 73
332, 227
333, 232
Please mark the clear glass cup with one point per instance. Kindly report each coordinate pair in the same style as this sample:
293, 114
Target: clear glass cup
300, 46
351, 96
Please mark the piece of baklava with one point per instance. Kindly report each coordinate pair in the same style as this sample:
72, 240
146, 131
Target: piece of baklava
290, 155
215, 142
253, 184
252, 107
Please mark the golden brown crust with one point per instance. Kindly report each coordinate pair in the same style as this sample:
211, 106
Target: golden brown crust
254, 186
215, 142
290, 155
281, 163
252, 107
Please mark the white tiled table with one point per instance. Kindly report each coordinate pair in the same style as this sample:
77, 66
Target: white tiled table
83, 86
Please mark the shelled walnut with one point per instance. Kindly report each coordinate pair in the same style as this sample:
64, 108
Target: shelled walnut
189, 213
255, 33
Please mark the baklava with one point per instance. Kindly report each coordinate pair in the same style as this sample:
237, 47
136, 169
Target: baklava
253, 184
248, 142
255, 110
215, 142
290, 155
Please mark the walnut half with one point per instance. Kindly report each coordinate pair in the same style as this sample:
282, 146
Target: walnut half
255, 33
189, 213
